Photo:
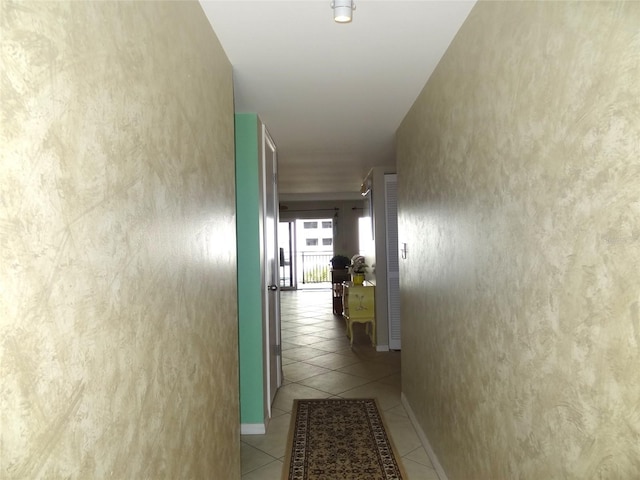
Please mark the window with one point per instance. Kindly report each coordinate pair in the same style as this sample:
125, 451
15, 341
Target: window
327, 241
310, 225
365, 235
312, 242
326, 224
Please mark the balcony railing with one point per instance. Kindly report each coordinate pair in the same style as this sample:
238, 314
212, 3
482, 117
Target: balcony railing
316, 267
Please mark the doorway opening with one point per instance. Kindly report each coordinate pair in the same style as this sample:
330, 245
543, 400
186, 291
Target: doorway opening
287, 241
306, 248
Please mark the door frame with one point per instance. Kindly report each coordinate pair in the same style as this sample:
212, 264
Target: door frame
271, 317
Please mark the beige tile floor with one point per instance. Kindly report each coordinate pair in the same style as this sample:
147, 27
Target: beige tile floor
319, 363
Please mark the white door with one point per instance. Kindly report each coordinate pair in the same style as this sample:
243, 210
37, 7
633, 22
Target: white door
393, 265
273, 360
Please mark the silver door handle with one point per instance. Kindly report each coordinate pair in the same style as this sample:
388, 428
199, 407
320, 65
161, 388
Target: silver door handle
273, 288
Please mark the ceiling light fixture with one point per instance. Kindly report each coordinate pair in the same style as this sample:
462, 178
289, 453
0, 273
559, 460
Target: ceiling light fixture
343, 10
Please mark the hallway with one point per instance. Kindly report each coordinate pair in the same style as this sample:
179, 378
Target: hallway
318, 363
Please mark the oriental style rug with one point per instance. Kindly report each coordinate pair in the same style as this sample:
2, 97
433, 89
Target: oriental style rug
339, 439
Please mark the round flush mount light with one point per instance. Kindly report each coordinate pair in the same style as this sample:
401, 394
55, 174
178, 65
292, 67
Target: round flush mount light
343, 10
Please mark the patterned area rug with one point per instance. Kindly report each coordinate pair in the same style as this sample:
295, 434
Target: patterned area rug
339, 439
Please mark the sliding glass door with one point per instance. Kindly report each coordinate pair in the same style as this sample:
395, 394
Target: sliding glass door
286, 239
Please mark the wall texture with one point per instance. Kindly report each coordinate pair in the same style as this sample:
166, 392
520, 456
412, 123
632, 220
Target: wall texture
118, 333
519, 181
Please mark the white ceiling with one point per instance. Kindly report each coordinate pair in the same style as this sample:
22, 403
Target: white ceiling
332, 95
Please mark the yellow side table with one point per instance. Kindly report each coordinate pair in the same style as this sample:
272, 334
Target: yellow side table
359, 307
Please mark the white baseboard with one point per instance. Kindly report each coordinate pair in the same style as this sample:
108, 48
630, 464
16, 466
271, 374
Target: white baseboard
252, 429
423, 438
382, 348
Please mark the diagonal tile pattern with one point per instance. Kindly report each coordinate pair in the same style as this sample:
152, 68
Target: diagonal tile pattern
319, 363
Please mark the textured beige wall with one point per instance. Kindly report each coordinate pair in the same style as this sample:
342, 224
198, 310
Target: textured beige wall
519, 190
118, 336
